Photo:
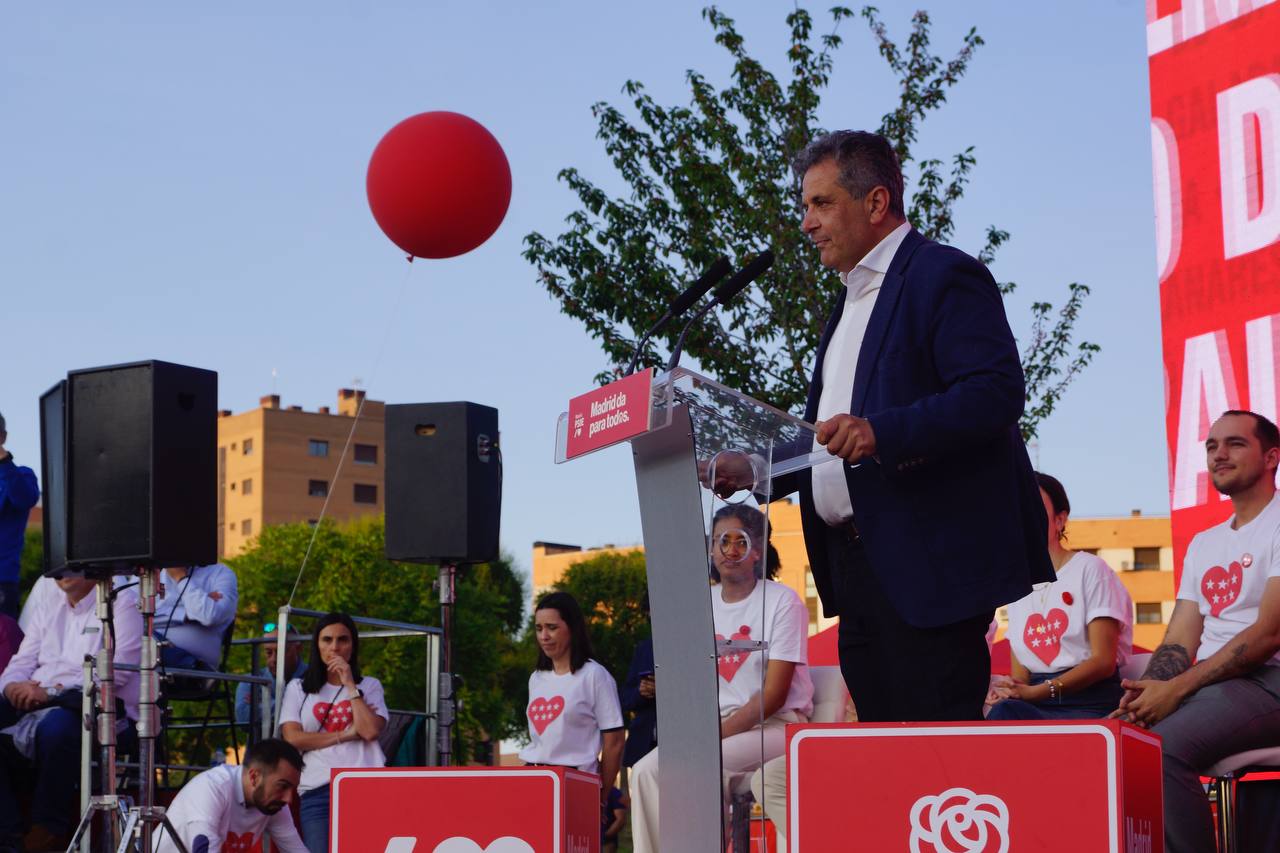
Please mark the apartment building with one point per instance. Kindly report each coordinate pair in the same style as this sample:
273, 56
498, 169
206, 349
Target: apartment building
277, 464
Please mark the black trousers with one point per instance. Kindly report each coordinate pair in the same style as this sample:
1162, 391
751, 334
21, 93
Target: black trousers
895, 671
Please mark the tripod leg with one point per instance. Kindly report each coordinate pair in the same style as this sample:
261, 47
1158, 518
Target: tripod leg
86, 821
129, 820
173, 835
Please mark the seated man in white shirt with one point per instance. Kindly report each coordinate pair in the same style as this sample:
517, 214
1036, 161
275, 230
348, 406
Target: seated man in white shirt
198, 606
40, 706
230, 806
1227, 619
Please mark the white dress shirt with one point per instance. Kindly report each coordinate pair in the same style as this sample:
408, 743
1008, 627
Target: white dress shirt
840, 363
60, 634
212, 805
190, 618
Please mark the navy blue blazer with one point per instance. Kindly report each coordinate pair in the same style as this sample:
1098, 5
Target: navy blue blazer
949, 512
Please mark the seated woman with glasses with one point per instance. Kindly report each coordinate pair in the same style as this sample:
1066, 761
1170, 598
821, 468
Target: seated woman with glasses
759, 692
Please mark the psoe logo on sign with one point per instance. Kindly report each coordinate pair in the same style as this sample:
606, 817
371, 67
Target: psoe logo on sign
959, 821
458, 844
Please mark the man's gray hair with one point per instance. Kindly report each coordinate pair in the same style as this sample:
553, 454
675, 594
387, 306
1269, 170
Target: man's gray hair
866, 161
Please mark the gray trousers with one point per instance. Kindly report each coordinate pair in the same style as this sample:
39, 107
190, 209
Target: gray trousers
1216, 721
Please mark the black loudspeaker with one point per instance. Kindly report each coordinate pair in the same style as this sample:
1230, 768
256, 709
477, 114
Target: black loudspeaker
130, 467
444, 483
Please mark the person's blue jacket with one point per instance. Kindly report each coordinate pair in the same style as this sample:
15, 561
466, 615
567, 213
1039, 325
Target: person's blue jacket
642, 733
948, 510
18, 494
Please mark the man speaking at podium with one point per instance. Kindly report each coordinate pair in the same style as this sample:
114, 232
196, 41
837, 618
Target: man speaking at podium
932, 519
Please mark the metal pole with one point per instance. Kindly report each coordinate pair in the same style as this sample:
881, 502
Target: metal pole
445, 582
148, 696
255, 695
431, 729
282, 632
86, 747
106, 702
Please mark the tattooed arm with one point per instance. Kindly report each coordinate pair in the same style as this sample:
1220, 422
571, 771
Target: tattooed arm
1246, 651
1170, 659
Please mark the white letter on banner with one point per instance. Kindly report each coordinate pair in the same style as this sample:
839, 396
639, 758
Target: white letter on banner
1262, 342
1195, 18
1208, 390
1249, 155
1162, 33
1167, 181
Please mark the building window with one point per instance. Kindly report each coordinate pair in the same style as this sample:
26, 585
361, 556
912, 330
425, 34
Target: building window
313, 521
1149, 613
316, 447
246, 488
365, 494
233, 445
248, 447
1146, 559
318, 488
246, 527
233, 487
366, 454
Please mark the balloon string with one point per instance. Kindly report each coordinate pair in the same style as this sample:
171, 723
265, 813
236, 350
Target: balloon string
377, 362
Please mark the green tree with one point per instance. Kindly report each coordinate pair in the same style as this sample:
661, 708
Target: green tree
714, 178
31, 563
347, 570
610, 588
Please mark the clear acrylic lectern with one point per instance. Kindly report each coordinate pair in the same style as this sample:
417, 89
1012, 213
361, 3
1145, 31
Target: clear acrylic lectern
694, 425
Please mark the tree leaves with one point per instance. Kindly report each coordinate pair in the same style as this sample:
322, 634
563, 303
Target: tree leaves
714, 177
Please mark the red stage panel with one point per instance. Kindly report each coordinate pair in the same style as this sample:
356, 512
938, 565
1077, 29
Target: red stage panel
1058, 787
1215, 139
466, 810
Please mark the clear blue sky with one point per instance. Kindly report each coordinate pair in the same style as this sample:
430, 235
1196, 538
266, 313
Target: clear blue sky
188, 184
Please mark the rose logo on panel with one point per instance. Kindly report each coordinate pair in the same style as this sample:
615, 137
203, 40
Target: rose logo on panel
959, 821
505, 844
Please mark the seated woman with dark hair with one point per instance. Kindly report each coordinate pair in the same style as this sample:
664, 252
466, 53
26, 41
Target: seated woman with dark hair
1069, 638
758, 695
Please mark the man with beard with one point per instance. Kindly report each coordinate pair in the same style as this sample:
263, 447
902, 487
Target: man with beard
1227, 618
228, 808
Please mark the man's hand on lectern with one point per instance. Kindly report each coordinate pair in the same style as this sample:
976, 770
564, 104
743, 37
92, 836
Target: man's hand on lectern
733, 471
847, 436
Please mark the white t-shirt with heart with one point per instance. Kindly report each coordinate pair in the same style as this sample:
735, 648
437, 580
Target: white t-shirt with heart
1049, 629
212, 805
1225, 573
772, 612
331, 707
567, 712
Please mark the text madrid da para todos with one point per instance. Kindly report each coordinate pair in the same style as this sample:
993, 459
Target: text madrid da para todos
605, 413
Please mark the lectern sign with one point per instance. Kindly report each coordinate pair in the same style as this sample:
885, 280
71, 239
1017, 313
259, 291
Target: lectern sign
616, 412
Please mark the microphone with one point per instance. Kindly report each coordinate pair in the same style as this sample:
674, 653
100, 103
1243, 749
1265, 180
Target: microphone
731, 288
682, 303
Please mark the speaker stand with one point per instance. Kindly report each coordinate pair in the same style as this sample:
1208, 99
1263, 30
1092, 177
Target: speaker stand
139, 820
445, 578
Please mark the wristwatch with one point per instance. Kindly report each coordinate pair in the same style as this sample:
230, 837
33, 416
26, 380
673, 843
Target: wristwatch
358, 694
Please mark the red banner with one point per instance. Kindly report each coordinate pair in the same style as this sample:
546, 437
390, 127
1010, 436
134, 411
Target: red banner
1057, 787
465, 810
1215, 145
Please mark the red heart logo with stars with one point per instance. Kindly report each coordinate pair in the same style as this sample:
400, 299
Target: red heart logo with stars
1043, 634
334, 718
1221, 587
730, 661
543, 712
238, 843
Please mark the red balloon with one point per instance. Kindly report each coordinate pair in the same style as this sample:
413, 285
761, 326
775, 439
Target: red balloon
439, 184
